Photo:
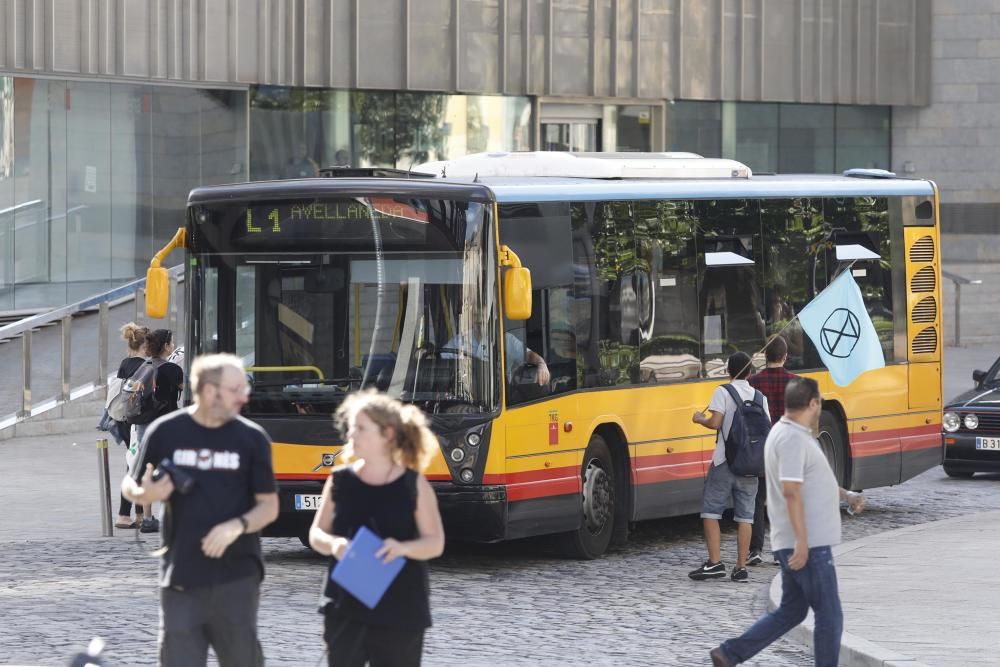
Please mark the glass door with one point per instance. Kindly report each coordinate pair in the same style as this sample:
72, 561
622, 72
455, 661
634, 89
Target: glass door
577, 136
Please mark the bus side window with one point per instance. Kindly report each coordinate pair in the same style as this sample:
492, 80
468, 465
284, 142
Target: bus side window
731, 298
605, 269
865, 220
540, 235
796, 272
667, 291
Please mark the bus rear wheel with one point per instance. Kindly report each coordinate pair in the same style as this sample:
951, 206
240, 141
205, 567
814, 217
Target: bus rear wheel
832, 442
598, 499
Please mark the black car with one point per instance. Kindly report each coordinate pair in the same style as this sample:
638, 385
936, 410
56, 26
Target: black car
971, 423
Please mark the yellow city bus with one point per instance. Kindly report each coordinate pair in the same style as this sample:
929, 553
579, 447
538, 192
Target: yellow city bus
559, 318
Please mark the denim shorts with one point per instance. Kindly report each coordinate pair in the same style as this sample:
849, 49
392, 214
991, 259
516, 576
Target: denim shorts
723, 489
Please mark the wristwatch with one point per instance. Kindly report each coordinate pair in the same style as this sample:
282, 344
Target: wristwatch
244, 522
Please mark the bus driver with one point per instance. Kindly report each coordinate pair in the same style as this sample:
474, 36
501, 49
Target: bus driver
517, 354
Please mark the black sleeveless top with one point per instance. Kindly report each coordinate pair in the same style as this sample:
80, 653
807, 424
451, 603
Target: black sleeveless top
388, 511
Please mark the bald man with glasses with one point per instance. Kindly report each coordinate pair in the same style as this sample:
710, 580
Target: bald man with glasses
219, 497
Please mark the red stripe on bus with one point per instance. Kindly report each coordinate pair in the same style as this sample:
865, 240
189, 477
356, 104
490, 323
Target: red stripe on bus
890, 441
301, 476
543, 488
670, 467
930, 438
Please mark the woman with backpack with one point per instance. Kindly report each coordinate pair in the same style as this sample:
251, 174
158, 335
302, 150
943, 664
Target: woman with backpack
135, 340
163, 381
382, 489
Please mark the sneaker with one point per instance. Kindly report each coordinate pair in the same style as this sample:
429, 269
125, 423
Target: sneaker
719, 658
740, 575
708, 570
755, 558
150, 524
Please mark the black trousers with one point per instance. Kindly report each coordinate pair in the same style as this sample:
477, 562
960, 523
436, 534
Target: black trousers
223, 616
125, 430
759, 517
353, 644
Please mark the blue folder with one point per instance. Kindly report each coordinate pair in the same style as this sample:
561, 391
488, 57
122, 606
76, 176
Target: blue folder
361, 573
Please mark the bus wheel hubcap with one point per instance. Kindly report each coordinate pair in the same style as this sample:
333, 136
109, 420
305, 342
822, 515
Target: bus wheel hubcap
596, 497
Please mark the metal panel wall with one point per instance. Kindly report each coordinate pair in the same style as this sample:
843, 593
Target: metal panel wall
844, 51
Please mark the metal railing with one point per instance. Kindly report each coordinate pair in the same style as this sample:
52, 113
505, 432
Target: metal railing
958, 282
64, 317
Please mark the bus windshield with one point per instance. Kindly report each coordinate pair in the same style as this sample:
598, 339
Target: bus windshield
324, 297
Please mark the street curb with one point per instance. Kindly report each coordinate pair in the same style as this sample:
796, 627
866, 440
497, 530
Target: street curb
857, 651
854, 651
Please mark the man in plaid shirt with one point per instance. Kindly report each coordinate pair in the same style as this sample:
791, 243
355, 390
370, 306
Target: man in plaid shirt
771, 382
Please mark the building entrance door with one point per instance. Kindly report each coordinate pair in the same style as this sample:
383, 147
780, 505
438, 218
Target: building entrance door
577, 136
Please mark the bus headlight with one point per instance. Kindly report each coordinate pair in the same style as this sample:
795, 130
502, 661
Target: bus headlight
457, 455
473, 439
971, 422
466, 475
950, 421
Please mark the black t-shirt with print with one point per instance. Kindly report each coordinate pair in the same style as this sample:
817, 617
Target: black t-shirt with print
230, 464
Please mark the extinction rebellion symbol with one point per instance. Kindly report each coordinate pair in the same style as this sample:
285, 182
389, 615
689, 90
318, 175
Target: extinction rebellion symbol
840, 333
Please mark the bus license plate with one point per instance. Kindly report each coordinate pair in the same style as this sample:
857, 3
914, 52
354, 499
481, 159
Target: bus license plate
310, 502
988, 443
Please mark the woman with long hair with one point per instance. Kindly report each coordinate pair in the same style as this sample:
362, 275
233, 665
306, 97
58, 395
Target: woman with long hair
135, 340
169, 383
382, 488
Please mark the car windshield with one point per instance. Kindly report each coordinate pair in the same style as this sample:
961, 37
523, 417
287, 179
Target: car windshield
351, 303
992, 378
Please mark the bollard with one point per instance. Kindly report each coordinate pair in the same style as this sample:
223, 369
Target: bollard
104, 481
140, 305
102, 346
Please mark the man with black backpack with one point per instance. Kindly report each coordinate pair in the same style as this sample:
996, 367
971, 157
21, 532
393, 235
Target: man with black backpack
739, 415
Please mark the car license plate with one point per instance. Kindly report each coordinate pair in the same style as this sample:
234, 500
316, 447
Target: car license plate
988, 443
305, 501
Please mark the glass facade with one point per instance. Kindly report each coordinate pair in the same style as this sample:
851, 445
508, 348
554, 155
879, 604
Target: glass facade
295, 131
94, 178
785, 138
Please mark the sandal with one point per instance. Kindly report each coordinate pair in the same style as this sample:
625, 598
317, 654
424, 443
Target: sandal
125, 526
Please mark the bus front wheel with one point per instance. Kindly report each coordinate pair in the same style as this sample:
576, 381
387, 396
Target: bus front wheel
593, 536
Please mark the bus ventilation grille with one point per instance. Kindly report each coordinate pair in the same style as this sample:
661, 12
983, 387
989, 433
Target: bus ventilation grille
926, 310
922, 250
923, 280
926, 341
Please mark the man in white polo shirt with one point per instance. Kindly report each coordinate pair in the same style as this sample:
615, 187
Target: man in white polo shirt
804, 509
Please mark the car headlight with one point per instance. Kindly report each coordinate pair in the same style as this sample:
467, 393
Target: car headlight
971, 422
951, 422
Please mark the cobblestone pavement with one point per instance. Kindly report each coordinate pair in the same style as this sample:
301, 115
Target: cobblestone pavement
502, 604
493, 605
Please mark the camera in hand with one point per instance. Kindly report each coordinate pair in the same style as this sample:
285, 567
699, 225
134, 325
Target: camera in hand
183, 482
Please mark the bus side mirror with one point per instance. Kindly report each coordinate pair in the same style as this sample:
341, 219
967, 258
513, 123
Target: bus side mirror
157, 293
517, 293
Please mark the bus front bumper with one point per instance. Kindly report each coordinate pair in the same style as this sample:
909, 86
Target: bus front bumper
470, 513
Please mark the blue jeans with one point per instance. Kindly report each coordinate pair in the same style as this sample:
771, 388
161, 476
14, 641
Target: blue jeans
815, 585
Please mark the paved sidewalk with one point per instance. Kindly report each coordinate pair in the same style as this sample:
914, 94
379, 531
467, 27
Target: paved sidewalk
918, 596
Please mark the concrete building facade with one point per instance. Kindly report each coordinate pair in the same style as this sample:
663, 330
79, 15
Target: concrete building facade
955, 140
110, 112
